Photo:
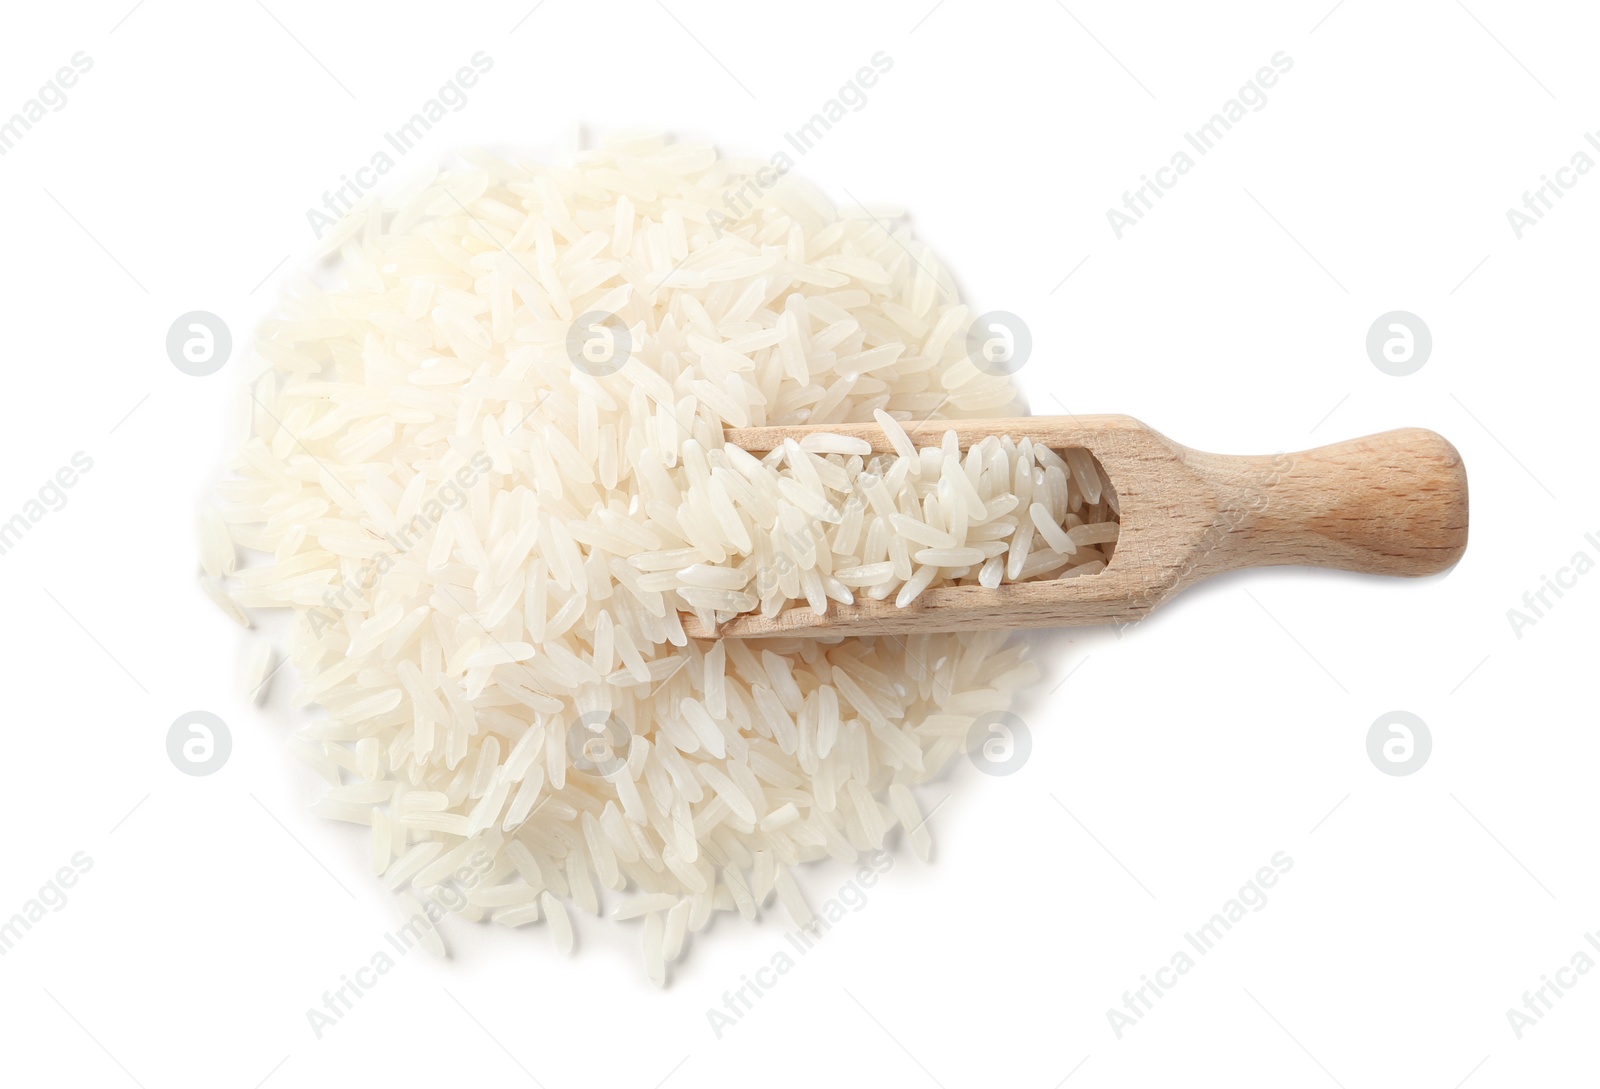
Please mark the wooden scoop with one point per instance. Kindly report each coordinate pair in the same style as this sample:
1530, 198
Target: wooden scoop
1394, 503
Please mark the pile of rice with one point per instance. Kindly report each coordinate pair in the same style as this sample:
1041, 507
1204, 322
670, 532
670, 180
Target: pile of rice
485, 538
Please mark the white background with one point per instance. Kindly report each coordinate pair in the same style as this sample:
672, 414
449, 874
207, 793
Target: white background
1174, 762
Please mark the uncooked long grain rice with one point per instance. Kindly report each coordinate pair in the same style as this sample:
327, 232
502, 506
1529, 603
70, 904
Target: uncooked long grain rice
485, 547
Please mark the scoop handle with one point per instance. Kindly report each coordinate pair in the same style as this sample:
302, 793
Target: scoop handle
1394, 503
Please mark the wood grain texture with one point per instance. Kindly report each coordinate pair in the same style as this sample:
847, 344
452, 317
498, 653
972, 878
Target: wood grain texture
1394, 503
